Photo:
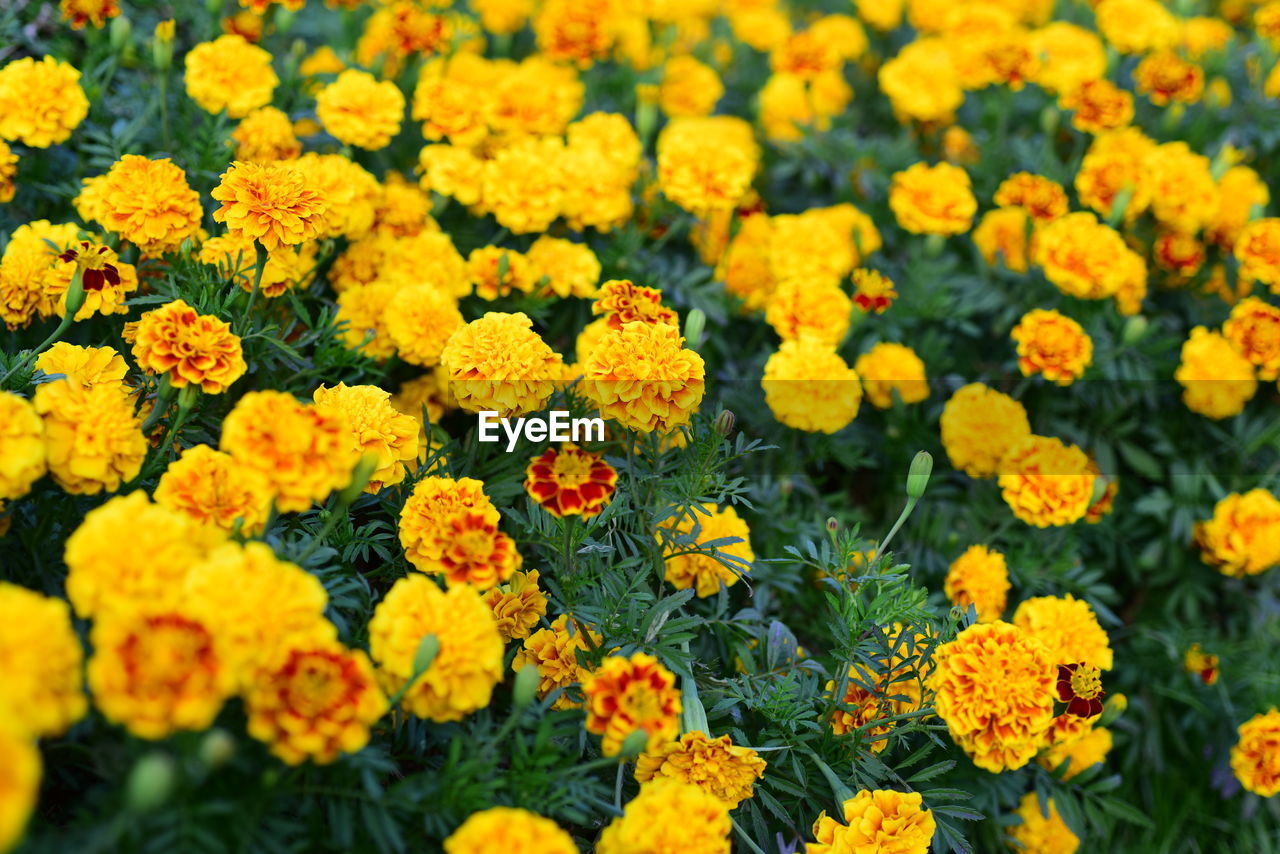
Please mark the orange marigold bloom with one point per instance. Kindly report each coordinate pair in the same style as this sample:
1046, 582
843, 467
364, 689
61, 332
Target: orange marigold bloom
669, 816
642, 377
358, 109
8, 172
189, 348
890, 369
230, 74
1178, 252
994, 688
1085, 258
933, 199
148, 203
689, 88
1001, 235
496, 272
514, 831
107, 281
1255, 759
1241, 189
1201, 663
1254, 330
570, 482
716, 765
270, 203
499, 363
622, 301
304, 453
1217, 381
78, 13
1052, 344
373, 427
628, 694
1046, 482
979, 577
424, 516
808, 386
264, 135
1098, 105
517, 605
316, 704
213, 489
873, 291
979, 424
1243, 537
524, 184
820, 310
554, 652
157, 673
473, 551
41, 101
864, 707
1042, 198
1166, 77
879, 820
1258, 251
576, 31
703, 571
20, 773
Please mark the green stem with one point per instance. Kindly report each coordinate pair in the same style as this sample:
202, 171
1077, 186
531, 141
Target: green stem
75, 299
186, 398
902, 517
260, 268
742, 834
162, 84
161, 406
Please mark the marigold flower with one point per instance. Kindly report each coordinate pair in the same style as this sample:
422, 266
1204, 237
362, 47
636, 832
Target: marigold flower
1243, 537
669, 815
554, 652
264, 135
1217, 381
716, 765
565, 268
642, 377
1042, 198
189, 348
994, 688
93, 439
706, 572
979, 577
42, 693
933, 199
78, 13
1001, 236
22, 446
499, 363
979, 424
213, 489
816, 310
304, 453
316, 704
1052, 344
570, 482
41, 101
1137, 26
889, 368
1083, 257
1254, 330
1068, 628
1201, 663
8, 172
706, 163
1080, 754
426, 512
1164, 77
460, 679
357, 109
230, 74
1069, 56
1046, 482
498, 272
473, 551
1041, 833
85, 366
1097, 105
1178, 252
1240, 190
350, 192
1080, 687
148, 203
517, 605
873, 291
1258, 251
270, 203
451, 170
514, 831
1184, 195
419, 321
689, 88
107, 282
876, 820
524, 184
20, 771
628, 694
372, 427
362, 318
621, 301
157, 671
1255, 758
923, 59
107, 572
864, 706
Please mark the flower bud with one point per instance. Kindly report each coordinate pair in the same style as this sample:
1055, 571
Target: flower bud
162, 45
634, 744
75, 293
150, 782
428, 649
1134, 328
121, 29
725, 422
526, 687
1120, 204
217, 748
1113, 708
1050, 117
833, 525
694, 325
918, 474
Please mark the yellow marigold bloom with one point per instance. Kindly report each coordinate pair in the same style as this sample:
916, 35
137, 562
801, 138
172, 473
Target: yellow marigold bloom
864, 706
669, 815
157, 671
230, 74
1184, 193
538, 96
1001, 236
271, 203
979, 424
22, 446
564, 268
706, 163
1254, 330
1240, 189
1046, 482
304, 453
874, 821
358, 109
979, 577
790, 106
704, 572
1137, 26
1115, 169
85, 366
8, 171
497, 272
501, 17
404, 210
819, 311
1097, 106
1165, 77
689, 88
1258, 251
621, 301
1217, 381
348, 189
517, 605
1080, 754
576, 32
994, 689
524, 185
1201, 663
189, 348
1243, 537
554, 652
1052, 344
628, 694
103, 294
888, 368
1266, 22
642, 377
427, 511
372, 427
42, 691
264, 135
362, 318
716, 765
1039, 833
1042, 198
461, 678
453, 171
933, 199
1068, 628
213, 489
318, 702
1255, 758
1083, 257
419, 322
78, 13
93, 439
107, 572
808, 386
20, 771
923, 59
1069, 55
515, 831
25, 266
499, 363
148, 203
41, 101
1205, 35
